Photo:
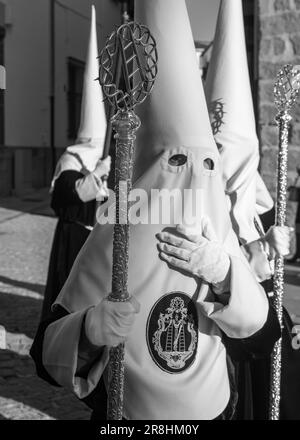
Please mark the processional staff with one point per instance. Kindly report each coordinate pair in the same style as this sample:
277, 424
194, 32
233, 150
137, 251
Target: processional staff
133, 44
286, 90
117, 75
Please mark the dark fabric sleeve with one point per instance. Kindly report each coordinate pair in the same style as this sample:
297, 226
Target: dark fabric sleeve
64, 189
268, 219
36, 351
66, 203
259, 345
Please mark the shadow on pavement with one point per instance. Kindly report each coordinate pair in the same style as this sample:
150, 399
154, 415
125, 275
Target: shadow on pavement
19, 314
36, 202
29, 397
39, 288
24, 395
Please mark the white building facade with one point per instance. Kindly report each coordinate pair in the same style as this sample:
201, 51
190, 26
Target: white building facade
28, 54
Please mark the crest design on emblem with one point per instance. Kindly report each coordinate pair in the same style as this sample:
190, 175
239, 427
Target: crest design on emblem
173, 339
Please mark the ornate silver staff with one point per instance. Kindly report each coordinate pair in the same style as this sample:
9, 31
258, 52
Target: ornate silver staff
117, 74
136, 47
286, 90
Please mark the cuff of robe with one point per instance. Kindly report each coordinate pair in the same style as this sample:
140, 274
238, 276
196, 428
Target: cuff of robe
60, 355
88, 187
247, 308
257, 256
223, 286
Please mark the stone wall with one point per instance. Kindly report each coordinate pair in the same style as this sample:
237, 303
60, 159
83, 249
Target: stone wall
23, 169
279, 44
6, 171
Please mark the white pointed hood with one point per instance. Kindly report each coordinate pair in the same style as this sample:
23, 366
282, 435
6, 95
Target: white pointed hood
93, 120
171, 114
264, 201
172, 178
88, 149
229, 99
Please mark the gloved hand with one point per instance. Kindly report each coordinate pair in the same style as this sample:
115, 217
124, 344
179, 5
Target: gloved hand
277, 241
199, 254
109, 323
102, 168
103, 192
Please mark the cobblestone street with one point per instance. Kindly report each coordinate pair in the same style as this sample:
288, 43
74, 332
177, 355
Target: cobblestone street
26, 231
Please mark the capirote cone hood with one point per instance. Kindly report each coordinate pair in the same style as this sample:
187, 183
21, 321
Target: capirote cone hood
229, 98
93, 120
175, 114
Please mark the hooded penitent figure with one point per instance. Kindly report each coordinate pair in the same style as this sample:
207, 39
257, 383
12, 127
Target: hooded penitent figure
228, 88
228, 94
229, 99
77, 179
175, 359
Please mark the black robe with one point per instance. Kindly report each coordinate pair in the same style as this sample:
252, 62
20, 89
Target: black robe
253, 374
70, 234
253, 377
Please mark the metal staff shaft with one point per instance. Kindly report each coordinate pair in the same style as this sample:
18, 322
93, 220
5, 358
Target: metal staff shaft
125, 124
286, 91
283, 120
131, 49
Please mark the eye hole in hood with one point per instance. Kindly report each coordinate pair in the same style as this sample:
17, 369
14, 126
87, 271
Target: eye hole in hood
208, 164
177, 160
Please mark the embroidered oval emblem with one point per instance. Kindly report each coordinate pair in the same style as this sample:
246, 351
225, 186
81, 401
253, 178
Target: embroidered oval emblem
172, 330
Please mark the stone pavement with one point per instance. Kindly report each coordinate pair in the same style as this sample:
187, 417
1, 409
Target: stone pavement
26, 232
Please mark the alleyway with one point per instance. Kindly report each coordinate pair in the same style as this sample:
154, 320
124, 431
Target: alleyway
26, 231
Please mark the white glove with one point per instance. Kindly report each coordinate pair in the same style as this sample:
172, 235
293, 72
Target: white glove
198, 254
101, 173
102, 168
277, 241
103, 192
109, 323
